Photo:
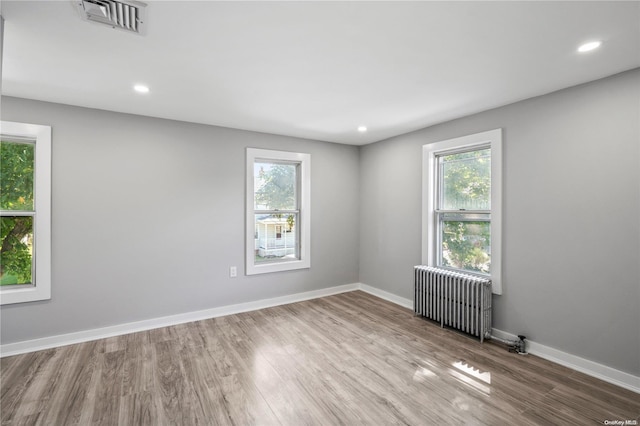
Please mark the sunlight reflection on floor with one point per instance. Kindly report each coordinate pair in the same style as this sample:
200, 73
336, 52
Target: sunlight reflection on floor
423, 374
472, 377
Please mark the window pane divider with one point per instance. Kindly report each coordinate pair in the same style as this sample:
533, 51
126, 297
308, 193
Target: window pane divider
463, 211
17, 213
274, 212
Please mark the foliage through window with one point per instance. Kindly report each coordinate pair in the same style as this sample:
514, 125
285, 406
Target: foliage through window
276, 211
464, 210
25, 211
16, 203
462, 204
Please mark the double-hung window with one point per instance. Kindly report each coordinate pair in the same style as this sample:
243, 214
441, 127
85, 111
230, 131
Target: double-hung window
277, 211
462, 205
25, 212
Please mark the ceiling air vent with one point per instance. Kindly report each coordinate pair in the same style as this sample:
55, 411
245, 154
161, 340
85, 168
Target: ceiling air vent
125, 15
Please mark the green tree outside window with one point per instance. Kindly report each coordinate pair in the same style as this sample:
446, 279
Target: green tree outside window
16, 195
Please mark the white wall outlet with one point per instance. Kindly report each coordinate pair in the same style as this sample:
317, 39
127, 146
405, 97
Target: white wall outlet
233, 272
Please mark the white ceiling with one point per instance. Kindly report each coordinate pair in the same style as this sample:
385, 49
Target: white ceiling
316, 70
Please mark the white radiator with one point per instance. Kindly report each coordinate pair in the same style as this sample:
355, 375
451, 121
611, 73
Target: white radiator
454, 299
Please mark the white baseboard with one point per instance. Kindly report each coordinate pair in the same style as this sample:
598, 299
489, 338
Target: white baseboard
591, 368
25, 346
405, 303
600, 371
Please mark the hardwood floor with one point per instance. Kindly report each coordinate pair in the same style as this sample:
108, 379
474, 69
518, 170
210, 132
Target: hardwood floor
347, 359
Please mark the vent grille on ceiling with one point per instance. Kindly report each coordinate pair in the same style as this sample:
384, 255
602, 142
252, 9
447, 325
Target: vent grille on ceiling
124, 15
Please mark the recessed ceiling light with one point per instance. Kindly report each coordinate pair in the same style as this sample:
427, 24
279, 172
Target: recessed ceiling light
362, 129
141, 88
587, 47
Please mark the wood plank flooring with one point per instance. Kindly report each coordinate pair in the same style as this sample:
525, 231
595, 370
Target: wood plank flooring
349, 359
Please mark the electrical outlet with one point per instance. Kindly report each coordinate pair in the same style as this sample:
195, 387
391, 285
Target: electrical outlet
233, 272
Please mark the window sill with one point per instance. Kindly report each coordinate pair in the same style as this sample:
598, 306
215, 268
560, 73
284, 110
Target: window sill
278, 267
24, 294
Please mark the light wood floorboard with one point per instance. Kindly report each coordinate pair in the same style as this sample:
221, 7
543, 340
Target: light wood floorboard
349, 359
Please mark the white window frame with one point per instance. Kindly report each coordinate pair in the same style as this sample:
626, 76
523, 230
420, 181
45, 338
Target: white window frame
41, 287
304, 204
492, 139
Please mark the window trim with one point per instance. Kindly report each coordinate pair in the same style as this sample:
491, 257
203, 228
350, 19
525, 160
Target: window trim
304, 216
492, 138
41, 288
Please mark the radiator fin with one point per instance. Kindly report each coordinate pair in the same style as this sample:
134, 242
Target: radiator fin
457, 300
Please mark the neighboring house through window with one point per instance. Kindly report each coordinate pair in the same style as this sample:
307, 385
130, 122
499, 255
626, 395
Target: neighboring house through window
278, 213
25, 212
462, 198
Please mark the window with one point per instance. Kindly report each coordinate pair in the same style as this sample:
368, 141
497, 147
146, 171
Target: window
278, 213
25, 212
462, 198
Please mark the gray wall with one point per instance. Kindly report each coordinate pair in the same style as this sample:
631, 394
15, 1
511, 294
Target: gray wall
571, 217
148, 215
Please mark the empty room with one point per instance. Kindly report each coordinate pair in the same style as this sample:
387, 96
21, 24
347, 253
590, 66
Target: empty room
320, 212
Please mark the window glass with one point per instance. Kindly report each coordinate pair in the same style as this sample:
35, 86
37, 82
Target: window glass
274, 191
466, 242
16, 195
276, 237
466, 180
463, 210
16, 175
16, 252
275, 186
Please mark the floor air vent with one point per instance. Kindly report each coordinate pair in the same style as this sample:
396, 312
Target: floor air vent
124, 15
